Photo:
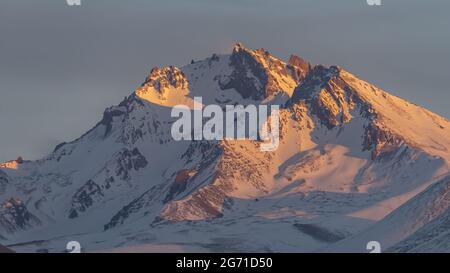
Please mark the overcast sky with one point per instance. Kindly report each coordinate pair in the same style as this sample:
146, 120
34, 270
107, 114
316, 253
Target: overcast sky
61, 66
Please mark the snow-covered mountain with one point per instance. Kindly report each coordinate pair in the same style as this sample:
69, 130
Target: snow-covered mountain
349, 155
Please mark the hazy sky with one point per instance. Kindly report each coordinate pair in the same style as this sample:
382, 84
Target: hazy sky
61, 66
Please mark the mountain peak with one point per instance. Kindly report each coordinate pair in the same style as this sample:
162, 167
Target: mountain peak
256, 74
259, 75
164, 77
238, 46
260, 52
347, 150
162, 84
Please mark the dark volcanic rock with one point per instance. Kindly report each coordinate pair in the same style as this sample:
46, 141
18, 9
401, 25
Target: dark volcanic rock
162, 78
248, 87
108, 117
4, 180
129, 160
330, 98
84, 198
14, 216
299, 67
255, 72
380, 141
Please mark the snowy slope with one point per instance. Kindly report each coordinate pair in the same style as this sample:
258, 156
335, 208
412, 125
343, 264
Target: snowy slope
349, 155
418, 225
432, 238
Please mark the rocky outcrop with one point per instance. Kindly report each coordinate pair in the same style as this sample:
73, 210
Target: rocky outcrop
162, 78
180, 184
229, 172
258, 75
4, 180
109, 115
129, 160
380, 141
12, 164
96, 188
84, 198
14, 216
299, 68
329, 97
143, 203
334, 102
161, 81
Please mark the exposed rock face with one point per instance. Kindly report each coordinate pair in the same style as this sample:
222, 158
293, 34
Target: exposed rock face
92, 192
380, 141
162, 80
144, 202
299, 67
181, 183
85, 197
330, 98
3, 181
227, 172
129, 160
334, 101
109, 115
14, 216
258, 75
13, 164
